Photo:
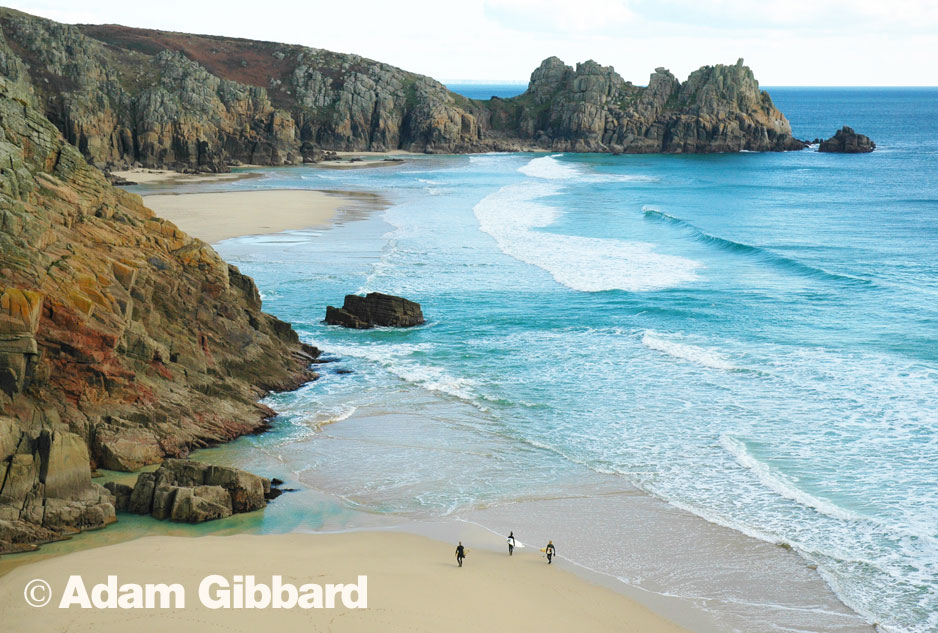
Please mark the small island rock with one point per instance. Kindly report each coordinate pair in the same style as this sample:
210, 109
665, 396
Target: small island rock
366, 312
846, 141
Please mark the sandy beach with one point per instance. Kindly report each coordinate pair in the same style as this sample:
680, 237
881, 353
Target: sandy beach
144, 176
413, 584
213, 217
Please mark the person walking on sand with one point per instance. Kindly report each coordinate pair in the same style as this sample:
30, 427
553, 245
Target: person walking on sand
460, 553
550, 551
511, 543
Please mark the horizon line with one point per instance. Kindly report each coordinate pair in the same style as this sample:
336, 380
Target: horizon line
504, 82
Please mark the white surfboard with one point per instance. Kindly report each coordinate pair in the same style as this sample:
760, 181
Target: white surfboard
518, 543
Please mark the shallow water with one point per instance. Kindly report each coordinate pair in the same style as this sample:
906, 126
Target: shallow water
749, 337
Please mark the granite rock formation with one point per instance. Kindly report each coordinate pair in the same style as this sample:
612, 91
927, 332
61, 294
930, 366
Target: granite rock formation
846, 141
192, 492
362, 313
590, 108
128, 96
122, 339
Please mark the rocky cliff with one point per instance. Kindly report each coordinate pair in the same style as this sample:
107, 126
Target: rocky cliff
160, 99
124, 96
590, 108
122, 339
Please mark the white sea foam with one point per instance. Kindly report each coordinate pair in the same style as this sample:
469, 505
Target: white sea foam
396, 358
779, 483
588, 264
332, 415
693, 353
549, 168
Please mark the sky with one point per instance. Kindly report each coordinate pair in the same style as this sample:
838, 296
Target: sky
785, 42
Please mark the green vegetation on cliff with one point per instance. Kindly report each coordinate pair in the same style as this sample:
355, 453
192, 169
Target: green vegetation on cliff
160, 99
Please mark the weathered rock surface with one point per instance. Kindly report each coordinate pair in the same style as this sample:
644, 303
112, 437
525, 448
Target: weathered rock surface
122, 339
47, 490
366, 312
191, 102
126, 96
846, 141
592, 109
192, 492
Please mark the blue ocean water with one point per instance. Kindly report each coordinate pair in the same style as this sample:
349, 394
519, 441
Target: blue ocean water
750, 337
483, 91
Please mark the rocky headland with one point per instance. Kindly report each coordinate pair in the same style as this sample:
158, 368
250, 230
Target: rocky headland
123, 340
126, 96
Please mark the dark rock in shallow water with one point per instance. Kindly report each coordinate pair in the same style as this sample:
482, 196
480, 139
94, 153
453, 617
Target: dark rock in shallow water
362, 313
846, 141
192, 492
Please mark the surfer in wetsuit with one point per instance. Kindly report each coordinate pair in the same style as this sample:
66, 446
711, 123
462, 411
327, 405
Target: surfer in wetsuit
460, 553
550, 551
511, 543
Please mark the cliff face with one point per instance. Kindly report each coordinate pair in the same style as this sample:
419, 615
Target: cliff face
122, 339
592, 109
124, 96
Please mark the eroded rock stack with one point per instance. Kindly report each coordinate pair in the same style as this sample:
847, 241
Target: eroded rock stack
192, 492
846, 141
375, 309
590, 108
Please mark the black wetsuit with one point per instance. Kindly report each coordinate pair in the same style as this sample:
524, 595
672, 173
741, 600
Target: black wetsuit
551, 552
460, 554
511, 543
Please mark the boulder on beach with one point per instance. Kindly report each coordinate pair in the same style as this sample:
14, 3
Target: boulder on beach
362, 313
192, 492
846, 141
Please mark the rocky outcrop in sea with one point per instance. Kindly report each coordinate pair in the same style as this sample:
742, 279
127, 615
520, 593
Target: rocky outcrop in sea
123, 340
590, 108
128, 96
375, 309
846, 141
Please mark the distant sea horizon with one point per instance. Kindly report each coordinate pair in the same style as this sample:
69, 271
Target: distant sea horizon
484, 90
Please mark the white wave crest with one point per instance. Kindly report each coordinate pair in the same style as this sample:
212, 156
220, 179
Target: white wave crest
396, 359
693, 353
581, 263
549, 168
331, 416
779, 483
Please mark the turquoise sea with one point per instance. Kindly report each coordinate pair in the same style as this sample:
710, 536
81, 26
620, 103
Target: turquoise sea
749, 338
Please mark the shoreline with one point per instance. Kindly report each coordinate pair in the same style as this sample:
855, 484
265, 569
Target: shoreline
217, 216
247, 524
